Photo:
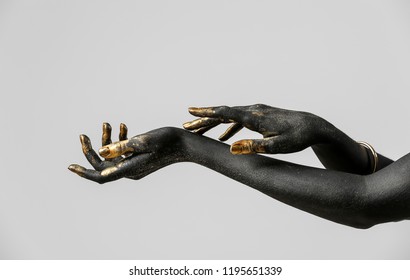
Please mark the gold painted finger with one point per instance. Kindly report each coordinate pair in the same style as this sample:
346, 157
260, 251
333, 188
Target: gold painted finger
245, 147
108, 171
204, 129
85, 143
115, 149
106, 136
201, 122
123, 132
78, 169
231, 131
202, 111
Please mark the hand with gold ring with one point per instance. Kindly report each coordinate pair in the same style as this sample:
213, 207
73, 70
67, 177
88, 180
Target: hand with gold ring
287, 131
343, 197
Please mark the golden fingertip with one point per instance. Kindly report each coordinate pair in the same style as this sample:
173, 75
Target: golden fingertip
201, 110
186, 125
242, 147
79, 170
85, 143
104, 152
84, 139
123, 132
106, 125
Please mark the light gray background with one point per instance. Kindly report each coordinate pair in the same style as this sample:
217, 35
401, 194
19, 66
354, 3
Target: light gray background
67, 66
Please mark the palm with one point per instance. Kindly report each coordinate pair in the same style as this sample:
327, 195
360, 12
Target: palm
132, 158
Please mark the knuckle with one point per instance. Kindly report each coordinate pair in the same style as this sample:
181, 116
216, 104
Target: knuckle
263, 146
222, 109
271, 145
246, 118
156, 136
258, 106
169, 130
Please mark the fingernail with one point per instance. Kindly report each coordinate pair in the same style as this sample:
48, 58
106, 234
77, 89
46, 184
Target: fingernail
242, 147
83, 138
123, 126
197, 110
109, 170
106, 126
186, 125
236, 149
194, 110
123, 131
76, 169
85, 141
71, 167
104, 152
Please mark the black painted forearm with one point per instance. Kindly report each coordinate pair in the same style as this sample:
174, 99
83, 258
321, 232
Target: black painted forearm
337, 196
350, 199
337, 151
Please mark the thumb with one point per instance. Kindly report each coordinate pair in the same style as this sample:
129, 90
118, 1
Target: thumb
251, 146
116, 149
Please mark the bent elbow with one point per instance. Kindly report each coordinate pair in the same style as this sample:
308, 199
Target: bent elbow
363, 214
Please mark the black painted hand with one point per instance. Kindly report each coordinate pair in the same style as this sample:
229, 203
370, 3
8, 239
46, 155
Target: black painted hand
132, 158
284, 131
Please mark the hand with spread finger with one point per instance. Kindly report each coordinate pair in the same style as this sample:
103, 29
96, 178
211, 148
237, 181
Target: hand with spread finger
131, 158
92, 156
283, 131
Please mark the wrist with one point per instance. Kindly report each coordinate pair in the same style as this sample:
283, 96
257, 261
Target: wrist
338, 151
189, 145
182, 150
328, 133
171, 144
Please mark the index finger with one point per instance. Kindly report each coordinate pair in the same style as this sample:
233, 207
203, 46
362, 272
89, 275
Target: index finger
224, 113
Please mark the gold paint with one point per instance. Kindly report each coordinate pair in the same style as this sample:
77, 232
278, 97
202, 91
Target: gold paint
187, 125
369, 147
258, 114
115, 150
231, 131
85, 143
200, 123
78, 169
109, 171
245, 147
242, 147
202, 130
123, 132
201, 111
106, 136
104, 151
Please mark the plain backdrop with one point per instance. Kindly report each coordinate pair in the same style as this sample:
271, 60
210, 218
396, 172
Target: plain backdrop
68, 66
